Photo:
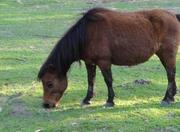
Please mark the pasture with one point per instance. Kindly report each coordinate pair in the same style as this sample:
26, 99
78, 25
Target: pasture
28, 31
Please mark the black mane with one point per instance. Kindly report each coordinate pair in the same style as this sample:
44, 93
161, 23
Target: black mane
69, 48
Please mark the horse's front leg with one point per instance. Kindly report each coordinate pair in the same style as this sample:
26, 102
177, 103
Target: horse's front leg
91, 73
107, 74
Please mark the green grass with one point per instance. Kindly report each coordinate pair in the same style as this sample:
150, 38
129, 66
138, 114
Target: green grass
28, 31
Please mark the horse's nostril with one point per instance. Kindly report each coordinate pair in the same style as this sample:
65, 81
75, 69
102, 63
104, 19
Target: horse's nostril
46, 105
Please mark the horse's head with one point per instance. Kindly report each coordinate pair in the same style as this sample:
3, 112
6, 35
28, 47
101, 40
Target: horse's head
53, 88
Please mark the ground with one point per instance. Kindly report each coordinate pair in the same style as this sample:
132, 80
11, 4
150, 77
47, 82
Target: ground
28, 31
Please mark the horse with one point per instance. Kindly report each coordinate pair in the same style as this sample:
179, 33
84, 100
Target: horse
104, 37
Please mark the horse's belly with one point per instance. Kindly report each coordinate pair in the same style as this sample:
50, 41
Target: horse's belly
134, 50
131, 58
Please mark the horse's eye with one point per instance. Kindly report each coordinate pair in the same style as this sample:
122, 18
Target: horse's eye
49, 85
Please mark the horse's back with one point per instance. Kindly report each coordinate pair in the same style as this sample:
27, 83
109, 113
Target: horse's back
130, 38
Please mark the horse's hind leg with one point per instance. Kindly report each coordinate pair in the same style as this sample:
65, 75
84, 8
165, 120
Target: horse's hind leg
91, 73
168, 59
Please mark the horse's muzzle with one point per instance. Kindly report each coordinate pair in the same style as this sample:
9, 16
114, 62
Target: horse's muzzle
47, 105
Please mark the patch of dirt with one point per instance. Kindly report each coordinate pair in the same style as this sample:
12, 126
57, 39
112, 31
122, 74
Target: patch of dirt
18, 109
142, 82
17, 106
130, 84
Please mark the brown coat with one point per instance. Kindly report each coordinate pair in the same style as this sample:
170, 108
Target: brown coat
131, 38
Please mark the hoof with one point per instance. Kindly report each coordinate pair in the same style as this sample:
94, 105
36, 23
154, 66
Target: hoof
167, 102
108, 104
83, 103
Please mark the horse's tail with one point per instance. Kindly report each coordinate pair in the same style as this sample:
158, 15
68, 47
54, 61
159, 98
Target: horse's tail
178, 17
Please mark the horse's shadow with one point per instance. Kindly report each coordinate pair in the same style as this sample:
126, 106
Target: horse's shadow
117, 108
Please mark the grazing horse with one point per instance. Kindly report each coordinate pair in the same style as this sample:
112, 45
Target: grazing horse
103, 37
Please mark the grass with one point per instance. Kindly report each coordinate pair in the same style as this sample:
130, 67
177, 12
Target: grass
28, 31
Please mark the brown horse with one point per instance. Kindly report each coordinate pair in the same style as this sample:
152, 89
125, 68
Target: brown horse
104, 37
